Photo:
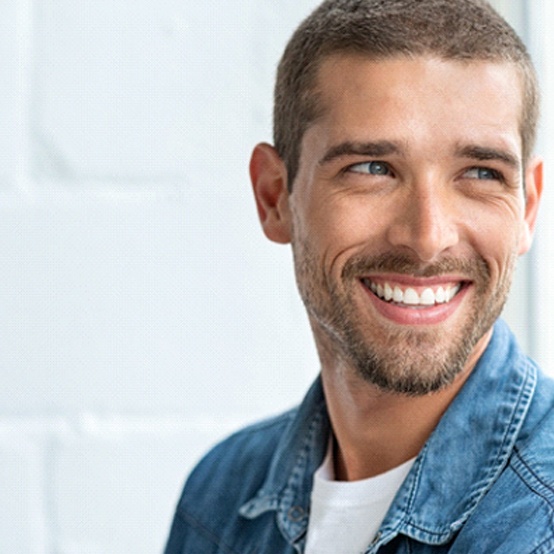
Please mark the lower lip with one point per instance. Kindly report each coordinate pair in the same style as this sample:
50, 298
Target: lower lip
416, 315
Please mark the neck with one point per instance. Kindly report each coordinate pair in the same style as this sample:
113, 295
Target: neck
375, 430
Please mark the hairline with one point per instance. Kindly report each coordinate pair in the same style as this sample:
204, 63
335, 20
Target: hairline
314, 106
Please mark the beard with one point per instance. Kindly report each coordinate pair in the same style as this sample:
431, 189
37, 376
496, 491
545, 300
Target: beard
411, 361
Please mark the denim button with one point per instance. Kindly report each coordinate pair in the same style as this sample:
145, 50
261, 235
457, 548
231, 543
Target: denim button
296, 513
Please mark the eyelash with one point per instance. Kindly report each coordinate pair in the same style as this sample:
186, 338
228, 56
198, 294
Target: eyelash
495, 175
351, 168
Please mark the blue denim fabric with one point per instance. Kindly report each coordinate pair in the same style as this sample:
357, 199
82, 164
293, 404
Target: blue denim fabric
483, 483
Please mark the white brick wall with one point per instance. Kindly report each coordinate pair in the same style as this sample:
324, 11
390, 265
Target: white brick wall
9, 77
142, 314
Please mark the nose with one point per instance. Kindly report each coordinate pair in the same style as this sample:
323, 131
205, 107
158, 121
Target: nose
425, 221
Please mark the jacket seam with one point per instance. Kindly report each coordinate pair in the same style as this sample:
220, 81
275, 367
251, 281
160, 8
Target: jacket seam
546, 544
204, 531
548, 499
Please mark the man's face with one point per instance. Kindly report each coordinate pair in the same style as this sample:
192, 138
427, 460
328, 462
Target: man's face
407, 214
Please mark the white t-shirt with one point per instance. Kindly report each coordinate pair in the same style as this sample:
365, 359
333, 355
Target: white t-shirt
346, 515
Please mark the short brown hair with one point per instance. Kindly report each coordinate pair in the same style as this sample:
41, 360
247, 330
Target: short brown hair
449, 29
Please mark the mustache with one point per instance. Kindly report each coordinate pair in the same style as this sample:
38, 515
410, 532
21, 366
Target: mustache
475, 268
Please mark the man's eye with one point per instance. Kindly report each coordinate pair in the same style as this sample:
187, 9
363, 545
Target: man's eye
483, 173
371, 168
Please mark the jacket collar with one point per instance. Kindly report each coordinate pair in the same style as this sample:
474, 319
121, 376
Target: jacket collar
457, 466
288, 485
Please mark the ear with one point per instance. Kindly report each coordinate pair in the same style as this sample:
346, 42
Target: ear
533, 191
269, 181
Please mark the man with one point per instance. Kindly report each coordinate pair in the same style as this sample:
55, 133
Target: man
403, 177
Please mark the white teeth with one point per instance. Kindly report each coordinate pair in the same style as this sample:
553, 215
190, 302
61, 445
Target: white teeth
427, 297
397, 295
410, 296
451, 293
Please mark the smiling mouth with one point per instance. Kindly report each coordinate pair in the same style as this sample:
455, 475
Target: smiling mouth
413, 296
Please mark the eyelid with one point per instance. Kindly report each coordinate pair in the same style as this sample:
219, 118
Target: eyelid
351, 167
495, 173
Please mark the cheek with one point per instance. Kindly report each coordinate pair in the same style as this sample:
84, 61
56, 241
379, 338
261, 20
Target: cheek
339, 239
493, 227
498, 245
348, 222
326, 235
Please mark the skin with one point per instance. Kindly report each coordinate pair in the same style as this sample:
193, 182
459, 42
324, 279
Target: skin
413, 177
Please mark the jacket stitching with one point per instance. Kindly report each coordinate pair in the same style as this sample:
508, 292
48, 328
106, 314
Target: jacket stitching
542, 548
538, 478
207, 533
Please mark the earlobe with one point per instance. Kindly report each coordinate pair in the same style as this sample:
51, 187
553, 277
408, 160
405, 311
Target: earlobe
269, 181
533, 191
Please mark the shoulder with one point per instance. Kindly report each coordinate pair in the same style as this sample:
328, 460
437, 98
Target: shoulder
517, 513
230, 499
236, 467
530, 474
207, 515
533, 459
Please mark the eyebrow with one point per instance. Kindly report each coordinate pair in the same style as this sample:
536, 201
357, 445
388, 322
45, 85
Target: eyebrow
386, 148
482, 153
371, 149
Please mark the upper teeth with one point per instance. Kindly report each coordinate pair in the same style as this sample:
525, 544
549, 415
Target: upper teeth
410, 296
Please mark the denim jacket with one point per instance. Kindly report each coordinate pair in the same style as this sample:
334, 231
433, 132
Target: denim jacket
483, 483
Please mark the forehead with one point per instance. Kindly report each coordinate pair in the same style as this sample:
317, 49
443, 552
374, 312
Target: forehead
406, 95
339, 74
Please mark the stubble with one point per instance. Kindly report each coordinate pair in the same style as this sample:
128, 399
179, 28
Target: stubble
411, 361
